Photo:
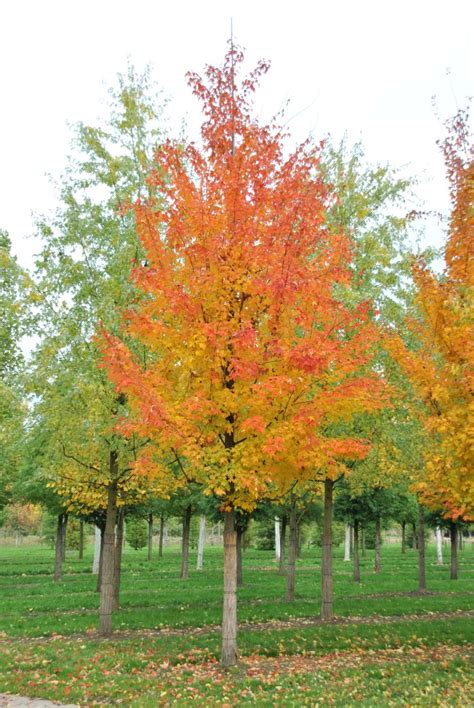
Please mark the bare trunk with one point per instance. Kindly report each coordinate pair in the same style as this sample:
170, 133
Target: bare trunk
298, 540
238, 541
81, 540
347, 543
201, 541
63, 540
326, 558
101, 558
60, 544
364, 549
439, 546
414, 543
356, 552
185, 544
229, 615
96, 561
277, 538
150, 536
162, 531
118, 557
421, 550
453, 534
281, 569
404, 539
108, 553
378, 542
292, 543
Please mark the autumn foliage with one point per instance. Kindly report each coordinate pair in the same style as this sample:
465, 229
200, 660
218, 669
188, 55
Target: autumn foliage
441, 369
252, 356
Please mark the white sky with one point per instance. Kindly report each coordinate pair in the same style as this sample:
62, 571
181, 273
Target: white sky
365, 67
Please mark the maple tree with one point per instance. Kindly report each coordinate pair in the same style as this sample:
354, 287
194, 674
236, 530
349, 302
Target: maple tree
440, 363
252, 357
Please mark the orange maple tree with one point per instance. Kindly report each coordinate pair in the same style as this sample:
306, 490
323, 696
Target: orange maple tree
253, 360
441, 368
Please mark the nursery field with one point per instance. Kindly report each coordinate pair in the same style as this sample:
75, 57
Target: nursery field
387, 646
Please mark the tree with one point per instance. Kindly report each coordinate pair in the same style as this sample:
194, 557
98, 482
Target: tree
252, 356
82, 273
14, 321
439, 364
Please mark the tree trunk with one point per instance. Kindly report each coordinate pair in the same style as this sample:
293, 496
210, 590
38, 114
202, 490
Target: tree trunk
185, 544
347, 543
281, 570
63, 541
364, 549
101, 559
460, 539
453, 534
108, 552
421, 550
150, 536
404, 540
201, 541
439, 546
414, 543
81, 540
292, 543
118, 557
96, 561
238, 541
378, 541
229, 615
60, 544
298, 540
326, 558
162, 531
356, 552
277, 538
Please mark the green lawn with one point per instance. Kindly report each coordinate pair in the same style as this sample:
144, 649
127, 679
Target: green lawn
394, 647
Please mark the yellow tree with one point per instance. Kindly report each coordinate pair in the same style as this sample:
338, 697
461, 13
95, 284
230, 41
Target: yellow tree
440, 366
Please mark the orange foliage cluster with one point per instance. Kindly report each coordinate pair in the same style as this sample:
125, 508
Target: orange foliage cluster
251, 356
442, 369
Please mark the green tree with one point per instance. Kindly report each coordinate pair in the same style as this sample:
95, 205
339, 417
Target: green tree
89, 248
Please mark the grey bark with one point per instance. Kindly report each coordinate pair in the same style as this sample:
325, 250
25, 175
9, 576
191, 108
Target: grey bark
150, 536
60, 546
101, 557
162, 531
453, 535
118, 557
229, 614
281, 569
356, 552
378, 543
185, 544
81, 540
201, 542
108, 552
292, 551
327, 612
421, 550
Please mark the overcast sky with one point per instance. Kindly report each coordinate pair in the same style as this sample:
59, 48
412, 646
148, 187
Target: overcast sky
368, 68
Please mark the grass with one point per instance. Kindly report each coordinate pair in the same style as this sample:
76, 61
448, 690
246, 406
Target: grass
394, 647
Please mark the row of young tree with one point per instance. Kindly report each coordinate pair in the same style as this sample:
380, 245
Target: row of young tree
239, 319
283, 528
